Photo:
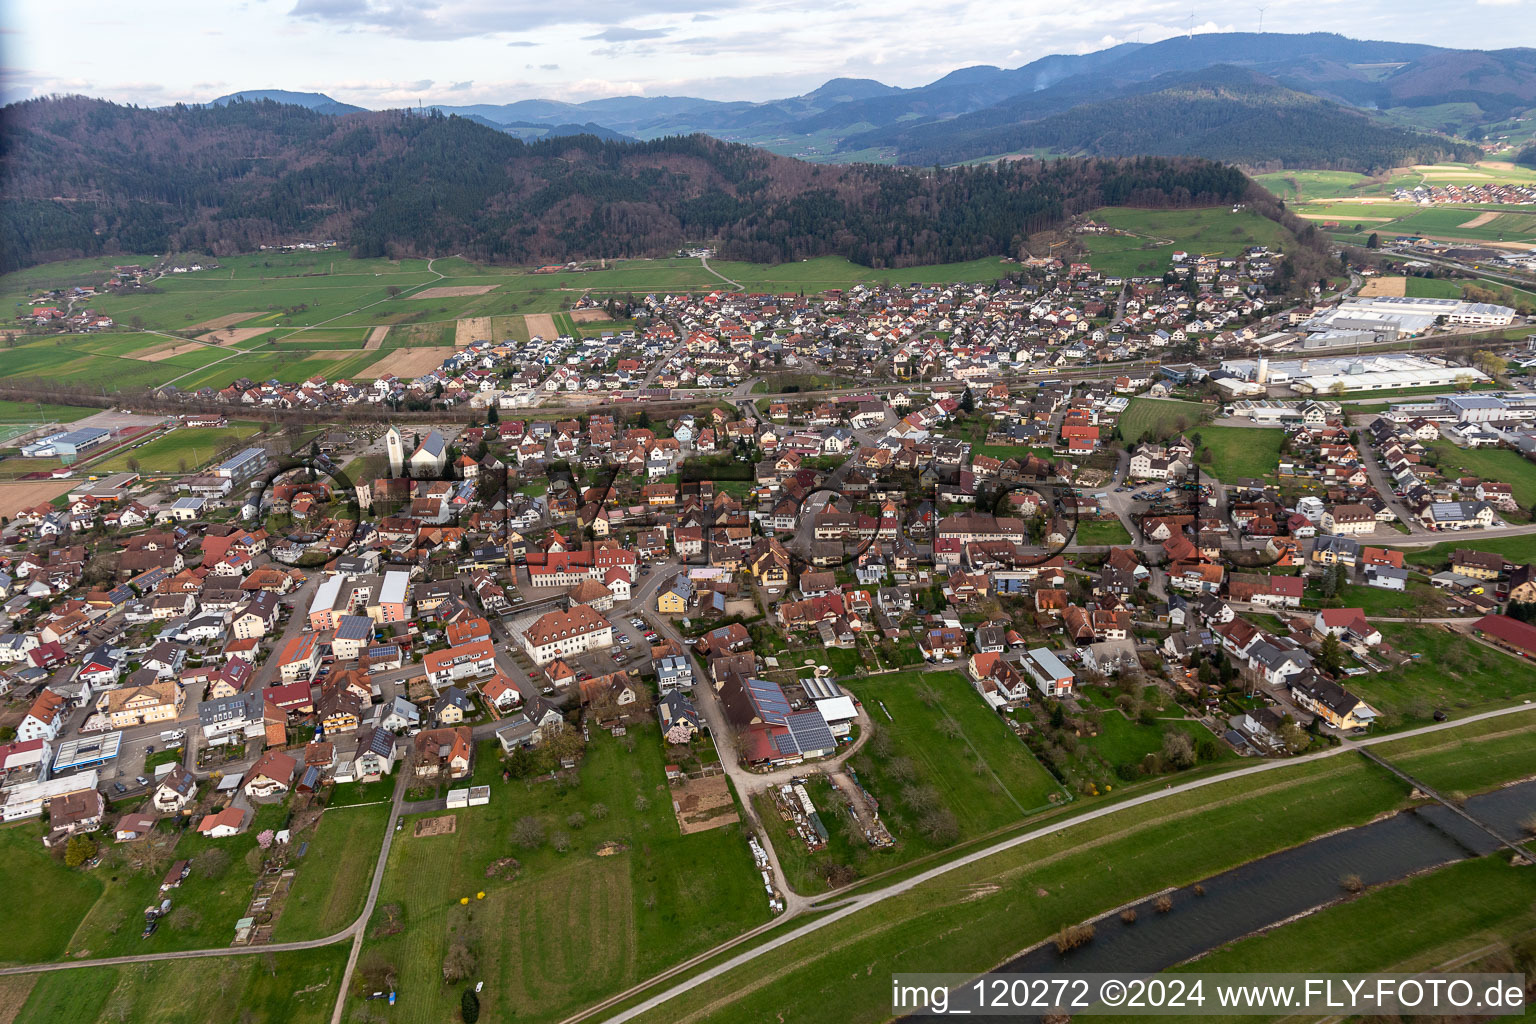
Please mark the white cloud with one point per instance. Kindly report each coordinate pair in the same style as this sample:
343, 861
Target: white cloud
719, 49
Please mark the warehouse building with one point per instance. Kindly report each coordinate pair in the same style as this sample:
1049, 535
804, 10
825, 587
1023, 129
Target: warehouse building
1393, 315
1348, 374
242, 466
68, 444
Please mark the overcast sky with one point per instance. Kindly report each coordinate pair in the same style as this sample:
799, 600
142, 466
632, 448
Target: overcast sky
380, 53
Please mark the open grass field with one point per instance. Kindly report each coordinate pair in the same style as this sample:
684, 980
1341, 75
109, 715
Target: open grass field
99, 912
1470, 222
52, 892
1122, 741
1431, 288
1416, 924
1376, 601
1457, 222
1478, 757
825, 272
297, 988
1106, 532
984, 775
1496, 464
184, 450
41, 412
75, 360
1297, 186
333, 875
1238, 452
1454, 673
561, 930
974, 917
1010, 451
1156, 234
1158, 418
206, 906
940, 748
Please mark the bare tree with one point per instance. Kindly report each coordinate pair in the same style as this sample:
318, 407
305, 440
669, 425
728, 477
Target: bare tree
528, 832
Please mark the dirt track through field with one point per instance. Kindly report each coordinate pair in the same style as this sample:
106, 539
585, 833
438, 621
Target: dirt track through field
407, 362
231, 335
1480, 219
453, 291
471, 329
227, 320
375, 339
1340, 218
19, 494
1396, 287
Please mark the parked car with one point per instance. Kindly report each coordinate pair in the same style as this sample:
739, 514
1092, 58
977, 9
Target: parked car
141, 780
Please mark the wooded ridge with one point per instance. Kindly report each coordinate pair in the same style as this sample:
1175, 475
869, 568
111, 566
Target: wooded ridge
84, 176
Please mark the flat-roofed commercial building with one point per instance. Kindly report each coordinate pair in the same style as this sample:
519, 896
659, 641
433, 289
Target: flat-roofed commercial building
243, 465
67, 444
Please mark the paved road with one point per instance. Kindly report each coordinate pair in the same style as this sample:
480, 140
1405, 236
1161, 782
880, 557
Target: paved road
360, 926
838, 909
1374, 469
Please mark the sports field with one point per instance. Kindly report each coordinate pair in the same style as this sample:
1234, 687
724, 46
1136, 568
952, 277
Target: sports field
183, 450
1154, 235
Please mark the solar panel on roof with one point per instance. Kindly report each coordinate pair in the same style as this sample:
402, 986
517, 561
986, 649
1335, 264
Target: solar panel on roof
810, 731
767, 696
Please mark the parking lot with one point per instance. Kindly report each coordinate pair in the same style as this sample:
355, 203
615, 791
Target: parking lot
631, 649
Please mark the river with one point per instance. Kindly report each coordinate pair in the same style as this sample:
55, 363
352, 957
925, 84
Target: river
1272, 889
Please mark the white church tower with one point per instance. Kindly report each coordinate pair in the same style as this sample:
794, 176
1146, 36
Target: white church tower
396, 449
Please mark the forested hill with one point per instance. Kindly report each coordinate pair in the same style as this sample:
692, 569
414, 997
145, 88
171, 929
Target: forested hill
83, 176
1221, 113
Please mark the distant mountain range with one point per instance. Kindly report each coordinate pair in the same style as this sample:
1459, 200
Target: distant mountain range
525, 130
1388, 94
